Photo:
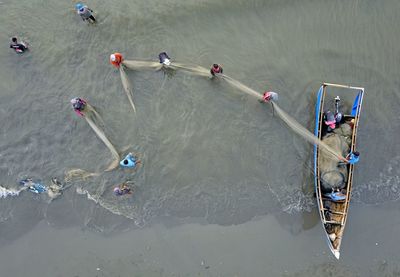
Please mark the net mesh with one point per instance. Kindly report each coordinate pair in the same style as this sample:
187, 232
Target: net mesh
95, 185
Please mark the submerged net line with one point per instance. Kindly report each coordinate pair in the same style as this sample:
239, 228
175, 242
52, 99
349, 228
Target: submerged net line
131, 211
201, 71
290, 121
148, 65
142, 65
108, 205
300, 130
240, 86
127, 86
103, 137
78, 173
194, 69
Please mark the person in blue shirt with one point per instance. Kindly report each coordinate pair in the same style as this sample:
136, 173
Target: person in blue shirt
353, 157
130, 161
32, 186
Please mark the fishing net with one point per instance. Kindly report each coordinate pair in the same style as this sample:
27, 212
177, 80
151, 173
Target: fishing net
193, 69
291, 122
333, 174
99, 212
98, 188
334, 154
90, 116
142, 65
127, 87
241, 86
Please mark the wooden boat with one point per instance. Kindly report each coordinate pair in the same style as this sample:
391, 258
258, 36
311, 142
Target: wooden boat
333, 213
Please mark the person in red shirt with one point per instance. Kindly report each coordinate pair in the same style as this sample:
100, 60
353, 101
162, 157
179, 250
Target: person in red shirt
268, 96
216, 69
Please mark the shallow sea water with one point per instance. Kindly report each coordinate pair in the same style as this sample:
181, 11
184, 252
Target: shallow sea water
211, 154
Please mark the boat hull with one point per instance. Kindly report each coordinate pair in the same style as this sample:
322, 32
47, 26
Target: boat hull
333, 213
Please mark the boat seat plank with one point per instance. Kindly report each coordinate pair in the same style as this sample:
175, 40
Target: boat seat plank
333, 222
334, 212
335, 201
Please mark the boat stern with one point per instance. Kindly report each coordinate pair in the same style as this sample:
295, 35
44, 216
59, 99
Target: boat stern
336, 253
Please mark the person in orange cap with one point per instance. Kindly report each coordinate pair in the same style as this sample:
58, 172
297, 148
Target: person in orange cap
116, 59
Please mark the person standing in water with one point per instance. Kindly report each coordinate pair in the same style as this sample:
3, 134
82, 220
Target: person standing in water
85, 12
79, 105
216, 69
116, 59
164, 58
268, 96
18, 47
130, 161
122, 189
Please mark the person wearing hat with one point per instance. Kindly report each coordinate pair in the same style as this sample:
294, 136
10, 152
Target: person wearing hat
85, 12
116, 59
79, 105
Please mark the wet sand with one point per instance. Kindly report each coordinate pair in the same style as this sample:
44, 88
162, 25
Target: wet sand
261, 247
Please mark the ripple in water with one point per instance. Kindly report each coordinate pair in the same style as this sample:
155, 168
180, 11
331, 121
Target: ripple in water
385, 188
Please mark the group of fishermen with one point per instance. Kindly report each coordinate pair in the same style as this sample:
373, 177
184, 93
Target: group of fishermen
83, 10
79, 104
55, 188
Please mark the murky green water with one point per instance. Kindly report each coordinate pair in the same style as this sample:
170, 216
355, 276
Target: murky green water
211, 154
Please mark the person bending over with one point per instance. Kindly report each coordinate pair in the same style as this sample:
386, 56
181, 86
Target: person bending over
79, 105
164, 58
18, 47
268, 96
216, 69
85, 12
